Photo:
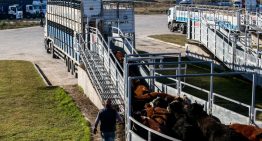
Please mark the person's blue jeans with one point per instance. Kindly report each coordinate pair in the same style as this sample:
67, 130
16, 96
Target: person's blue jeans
108, 136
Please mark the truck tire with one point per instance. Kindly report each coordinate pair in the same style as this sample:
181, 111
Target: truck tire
173, 27
48, 46
169, 26
53, 52
66, 61
182, 28
76, 75
72, 67
68, 64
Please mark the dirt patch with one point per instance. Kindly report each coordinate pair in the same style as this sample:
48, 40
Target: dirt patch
89, 110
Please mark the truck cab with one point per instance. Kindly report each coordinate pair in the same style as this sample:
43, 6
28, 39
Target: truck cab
238, 4
185, 2
15, 12
177, 20
30, 9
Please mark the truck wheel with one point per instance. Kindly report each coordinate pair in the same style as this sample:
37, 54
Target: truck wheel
173, 27
11, 17
68, 64
66, 61
48, 46
72, 67
53, 52
76, 75
182, 29
169, 26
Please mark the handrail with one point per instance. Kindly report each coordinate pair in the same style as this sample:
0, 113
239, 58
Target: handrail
110, 51
83, 52
115, 64
206, 91
153, 131
121, 33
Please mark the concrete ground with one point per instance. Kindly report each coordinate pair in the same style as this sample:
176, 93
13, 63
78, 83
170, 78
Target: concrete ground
152, 25
27, 44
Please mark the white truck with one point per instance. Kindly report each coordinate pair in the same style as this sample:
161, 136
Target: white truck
30, 11
177, 19
249, 5
15, 12
179, 16
238, 3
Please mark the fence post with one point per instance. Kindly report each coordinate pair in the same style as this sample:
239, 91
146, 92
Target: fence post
149, 136
179, 78
126, 85
211, 95
128, 109
253, 102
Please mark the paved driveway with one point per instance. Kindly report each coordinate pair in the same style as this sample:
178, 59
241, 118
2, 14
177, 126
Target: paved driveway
27, 44
152, 25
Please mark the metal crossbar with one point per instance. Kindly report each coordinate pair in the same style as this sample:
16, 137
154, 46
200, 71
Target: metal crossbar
236, 54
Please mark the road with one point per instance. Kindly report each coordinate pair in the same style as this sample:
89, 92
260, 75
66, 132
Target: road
152, 25
27, 44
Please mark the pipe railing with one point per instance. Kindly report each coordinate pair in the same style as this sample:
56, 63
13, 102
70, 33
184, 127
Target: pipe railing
150, 131
80, 43
120, 33
109, 63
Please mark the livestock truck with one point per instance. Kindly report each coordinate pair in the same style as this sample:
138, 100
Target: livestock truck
66, 19
180, 15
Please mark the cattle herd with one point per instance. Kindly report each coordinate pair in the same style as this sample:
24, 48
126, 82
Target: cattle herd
181, 119
178, 117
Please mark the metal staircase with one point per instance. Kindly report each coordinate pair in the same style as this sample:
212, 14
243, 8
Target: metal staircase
100, 76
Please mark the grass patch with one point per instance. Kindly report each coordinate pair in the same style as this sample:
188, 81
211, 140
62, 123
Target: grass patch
149, 8
12, 24
31, 111
171, 38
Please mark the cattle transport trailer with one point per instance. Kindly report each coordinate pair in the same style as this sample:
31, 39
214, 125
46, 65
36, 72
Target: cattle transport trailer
66, 19
179, 16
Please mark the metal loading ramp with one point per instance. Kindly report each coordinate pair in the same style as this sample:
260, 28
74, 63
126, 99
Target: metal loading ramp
225, 40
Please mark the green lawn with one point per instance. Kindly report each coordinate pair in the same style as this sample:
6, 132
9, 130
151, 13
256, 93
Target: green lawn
147, 8
171, 38
31, 111
11, 24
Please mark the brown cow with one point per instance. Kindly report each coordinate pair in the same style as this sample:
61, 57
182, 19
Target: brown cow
154, 111
153, 95
140, 90
120, 57
251, 132
151, 123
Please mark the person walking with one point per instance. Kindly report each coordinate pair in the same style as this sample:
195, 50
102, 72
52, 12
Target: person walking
108, 117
